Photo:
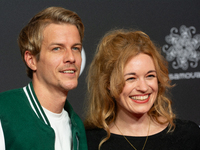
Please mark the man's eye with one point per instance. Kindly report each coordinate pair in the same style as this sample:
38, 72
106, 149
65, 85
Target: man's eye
56, 48
76, 48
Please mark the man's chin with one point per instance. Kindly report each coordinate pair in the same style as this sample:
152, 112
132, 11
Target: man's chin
70, 86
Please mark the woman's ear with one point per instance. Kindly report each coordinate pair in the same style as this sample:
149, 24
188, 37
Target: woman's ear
30, 60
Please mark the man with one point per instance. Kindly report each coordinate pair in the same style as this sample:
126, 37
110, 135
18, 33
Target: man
38, 116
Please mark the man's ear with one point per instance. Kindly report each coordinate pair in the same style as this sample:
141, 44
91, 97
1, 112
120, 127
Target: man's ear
30, 60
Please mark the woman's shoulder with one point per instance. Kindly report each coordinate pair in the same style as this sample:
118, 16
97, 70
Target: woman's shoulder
187, 127
94, 137
186, 135
97, 132
91, 130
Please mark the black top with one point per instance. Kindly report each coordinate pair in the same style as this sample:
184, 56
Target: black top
186, 136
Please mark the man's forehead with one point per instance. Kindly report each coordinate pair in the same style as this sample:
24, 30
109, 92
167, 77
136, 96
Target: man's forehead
59, 33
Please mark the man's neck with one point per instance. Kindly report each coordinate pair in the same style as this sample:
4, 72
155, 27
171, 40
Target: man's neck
51, 99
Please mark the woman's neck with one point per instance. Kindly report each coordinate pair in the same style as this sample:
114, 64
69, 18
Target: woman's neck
131, 125
136, 125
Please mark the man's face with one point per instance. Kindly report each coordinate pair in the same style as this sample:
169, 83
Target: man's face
60, 59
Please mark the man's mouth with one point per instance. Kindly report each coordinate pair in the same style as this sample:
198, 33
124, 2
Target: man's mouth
68, 71
140, 98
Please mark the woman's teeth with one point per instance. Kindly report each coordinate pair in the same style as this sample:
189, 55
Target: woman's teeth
140, 97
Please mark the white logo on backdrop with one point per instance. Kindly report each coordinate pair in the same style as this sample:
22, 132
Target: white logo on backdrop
83, 60
183, 47
182, 50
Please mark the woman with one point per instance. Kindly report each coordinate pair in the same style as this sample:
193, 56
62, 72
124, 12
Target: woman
128, 107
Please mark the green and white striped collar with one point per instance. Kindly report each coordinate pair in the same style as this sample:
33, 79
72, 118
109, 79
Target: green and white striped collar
35, 104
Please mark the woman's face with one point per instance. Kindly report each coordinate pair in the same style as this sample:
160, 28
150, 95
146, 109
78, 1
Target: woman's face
141, 86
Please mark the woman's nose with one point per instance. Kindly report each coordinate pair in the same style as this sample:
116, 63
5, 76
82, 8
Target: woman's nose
142, 85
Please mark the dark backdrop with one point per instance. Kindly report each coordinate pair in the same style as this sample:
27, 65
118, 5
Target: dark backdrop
155, 17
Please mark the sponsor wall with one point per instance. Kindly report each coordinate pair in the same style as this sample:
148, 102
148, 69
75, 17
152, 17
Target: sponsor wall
172, 24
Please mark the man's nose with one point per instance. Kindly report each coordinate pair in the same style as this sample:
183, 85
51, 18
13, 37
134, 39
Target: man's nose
69, 56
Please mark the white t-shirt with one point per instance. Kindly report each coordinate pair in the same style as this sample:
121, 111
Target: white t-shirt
2, 143
62, 127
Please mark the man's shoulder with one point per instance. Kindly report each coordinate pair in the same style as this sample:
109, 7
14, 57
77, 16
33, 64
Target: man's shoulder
72, 114
11, 94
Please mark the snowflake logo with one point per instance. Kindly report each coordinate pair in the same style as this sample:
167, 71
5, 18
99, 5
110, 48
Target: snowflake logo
183, 48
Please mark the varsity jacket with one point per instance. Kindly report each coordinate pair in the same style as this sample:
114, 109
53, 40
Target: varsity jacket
25, 125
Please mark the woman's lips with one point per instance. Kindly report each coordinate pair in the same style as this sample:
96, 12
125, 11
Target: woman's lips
140, 99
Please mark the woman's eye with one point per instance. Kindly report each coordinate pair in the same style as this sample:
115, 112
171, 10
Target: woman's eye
129, 79
151, 76
56, 48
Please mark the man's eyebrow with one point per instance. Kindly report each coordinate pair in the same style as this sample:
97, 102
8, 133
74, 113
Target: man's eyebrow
60, 44
77, 44
56, 44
